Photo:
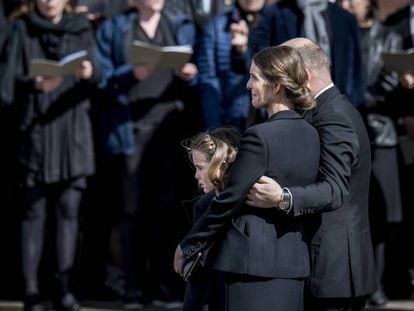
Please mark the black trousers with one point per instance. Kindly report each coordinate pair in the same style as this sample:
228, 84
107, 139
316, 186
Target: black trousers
63, 199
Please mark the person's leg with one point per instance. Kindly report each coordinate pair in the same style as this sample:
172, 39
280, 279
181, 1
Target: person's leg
133, 262
378, 298
32, 239
67, 226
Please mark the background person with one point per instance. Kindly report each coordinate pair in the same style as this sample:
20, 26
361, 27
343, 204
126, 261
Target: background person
223, 66
333, 28
402, 23
55, 147
385, 194
141, 120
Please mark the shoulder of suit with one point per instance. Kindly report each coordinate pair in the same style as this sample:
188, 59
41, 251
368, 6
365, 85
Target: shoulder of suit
332, 100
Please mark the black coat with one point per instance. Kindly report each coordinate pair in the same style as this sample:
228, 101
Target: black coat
54, 129
266, 243
340, 241
283, 21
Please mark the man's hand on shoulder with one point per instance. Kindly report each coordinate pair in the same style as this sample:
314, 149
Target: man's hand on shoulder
265, 193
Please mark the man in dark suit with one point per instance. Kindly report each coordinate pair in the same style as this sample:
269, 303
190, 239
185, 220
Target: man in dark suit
335, 30
336, 206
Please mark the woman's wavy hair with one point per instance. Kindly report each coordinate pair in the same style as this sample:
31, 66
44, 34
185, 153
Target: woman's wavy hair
219, 147
283, 65
29, 6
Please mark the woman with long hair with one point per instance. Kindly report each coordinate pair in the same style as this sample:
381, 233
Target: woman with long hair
261, 254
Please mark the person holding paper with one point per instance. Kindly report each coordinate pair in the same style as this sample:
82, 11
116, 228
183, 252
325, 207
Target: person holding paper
223, 62
54, 137
141, 120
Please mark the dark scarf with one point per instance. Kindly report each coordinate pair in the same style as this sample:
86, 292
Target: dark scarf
51, 35
51, 38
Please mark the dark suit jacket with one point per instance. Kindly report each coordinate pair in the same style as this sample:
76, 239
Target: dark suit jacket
256, 242
340, 242
283, 21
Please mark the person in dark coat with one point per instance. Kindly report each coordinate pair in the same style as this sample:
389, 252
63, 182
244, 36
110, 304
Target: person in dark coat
385, 194
401, 22
263, 259
335, 208
222, 67
212, 154
336, 30
55, 147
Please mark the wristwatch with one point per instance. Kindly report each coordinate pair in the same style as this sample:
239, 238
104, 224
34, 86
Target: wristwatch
285, 200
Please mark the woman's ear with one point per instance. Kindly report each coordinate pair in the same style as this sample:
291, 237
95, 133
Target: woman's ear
276, 88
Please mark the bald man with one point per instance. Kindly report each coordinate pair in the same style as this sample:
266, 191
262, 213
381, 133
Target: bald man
336, 206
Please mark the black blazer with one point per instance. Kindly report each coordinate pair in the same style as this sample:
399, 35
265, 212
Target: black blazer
258, 242
341, 248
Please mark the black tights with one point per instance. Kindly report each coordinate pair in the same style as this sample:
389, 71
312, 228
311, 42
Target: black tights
65, 199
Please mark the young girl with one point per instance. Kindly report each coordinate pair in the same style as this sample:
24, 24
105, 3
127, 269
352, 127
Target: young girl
211, 153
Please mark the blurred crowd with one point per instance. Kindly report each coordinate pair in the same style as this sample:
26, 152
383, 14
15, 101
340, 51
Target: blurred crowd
96, 190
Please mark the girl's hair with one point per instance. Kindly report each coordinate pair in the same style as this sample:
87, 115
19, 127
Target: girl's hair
29, 6
219, 147
282, 65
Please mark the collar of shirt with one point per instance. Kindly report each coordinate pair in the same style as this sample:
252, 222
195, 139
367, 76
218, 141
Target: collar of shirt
324, 89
